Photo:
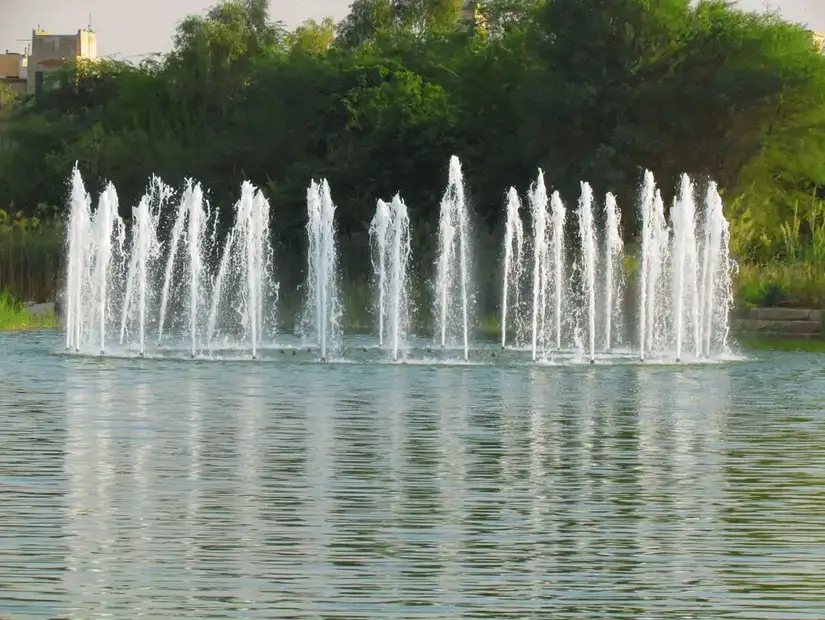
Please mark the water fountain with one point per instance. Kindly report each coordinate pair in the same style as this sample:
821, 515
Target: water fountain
322, 318
587, 239
541, 264
167, 297
613, 280
196, 231
109, 235
145, 248
716, 287
646, 205
79, 250
390, 238
171, 259
452, 286
513, 269
653, 314
685, 288
559, 215
379, 240
243, 281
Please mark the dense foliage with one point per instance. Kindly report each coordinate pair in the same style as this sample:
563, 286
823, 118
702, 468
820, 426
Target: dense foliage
586, 90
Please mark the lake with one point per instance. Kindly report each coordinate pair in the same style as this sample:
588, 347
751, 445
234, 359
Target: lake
287, 488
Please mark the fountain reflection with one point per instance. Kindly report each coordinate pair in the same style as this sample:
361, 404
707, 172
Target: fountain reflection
385, 491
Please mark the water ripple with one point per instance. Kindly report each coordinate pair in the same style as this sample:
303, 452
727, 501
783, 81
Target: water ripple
208, 490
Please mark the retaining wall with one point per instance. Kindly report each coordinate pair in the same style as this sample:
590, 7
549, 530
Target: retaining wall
781, 322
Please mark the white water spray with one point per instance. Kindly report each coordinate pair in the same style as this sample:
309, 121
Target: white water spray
196, 231
109, 235
379, 240
613, 298
685, 290
557, 244
541, 264
323, 306
144, 250
513, 269
79, 250
391, 245
587, 237
452, 286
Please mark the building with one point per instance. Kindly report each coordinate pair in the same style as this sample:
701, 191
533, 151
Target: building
13, 68
819, 40
472, 13
49, 52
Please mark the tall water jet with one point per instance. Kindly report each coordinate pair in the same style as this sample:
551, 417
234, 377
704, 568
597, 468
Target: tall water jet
79, 249
379, 241
587, 236
252, 235
646, 208
559, 214
174, 244
108, 230
684, 298
683, 216
399, 255
655, 261
613, 271
323, 306
513, 267
541, 263
660, 295
218, 285
196, 231
452, 278
144, 249
716, 286
244, 274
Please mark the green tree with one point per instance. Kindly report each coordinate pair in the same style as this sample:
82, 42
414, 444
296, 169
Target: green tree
365, 20
588, 91
422, 16
313, 37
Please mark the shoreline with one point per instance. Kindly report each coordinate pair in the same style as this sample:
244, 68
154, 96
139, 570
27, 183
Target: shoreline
745, 343
15, 317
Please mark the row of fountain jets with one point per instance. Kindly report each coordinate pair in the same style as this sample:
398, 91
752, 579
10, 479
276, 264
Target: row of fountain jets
155, 293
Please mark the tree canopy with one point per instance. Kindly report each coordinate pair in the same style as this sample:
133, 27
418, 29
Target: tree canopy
586, 90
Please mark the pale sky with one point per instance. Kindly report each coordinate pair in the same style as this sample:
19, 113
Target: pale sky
131, 28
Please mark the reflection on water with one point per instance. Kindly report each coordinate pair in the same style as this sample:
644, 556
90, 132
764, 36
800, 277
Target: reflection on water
164, 489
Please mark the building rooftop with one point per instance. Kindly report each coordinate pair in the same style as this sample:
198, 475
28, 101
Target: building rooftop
819, 39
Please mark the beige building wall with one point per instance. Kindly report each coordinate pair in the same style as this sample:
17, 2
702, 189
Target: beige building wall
10, 65
88, 44
51, 51
13, 71
819, 39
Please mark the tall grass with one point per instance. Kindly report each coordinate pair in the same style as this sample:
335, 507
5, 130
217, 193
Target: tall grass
30, 256
780, 263
14, 315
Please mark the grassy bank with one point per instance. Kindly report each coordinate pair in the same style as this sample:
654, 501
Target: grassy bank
781, 258
792, 284
781, 344
30, 255
15, 316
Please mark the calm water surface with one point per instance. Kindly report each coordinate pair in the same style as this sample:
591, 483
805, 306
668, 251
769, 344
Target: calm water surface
169, 489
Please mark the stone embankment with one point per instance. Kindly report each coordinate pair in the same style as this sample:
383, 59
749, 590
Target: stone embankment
781, 322
40, 309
